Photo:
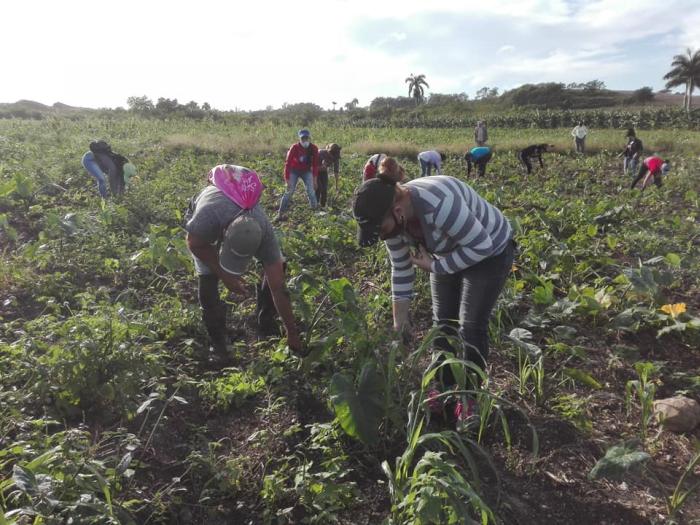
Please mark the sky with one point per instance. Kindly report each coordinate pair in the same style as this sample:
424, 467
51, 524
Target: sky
259, 53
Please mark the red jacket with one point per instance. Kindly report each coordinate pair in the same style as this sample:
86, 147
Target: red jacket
654, 164
298, 160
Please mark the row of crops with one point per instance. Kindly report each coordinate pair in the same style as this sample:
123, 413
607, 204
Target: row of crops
550, 118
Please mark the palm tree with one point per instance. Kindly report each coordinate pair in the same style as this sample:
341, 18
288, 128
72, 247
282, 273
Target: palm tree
685, 70
415, 87
334, 104
352, 104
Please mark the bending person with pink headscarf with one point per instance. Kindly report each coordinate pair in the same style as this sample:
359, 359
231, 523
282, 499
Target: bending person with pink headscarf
223, 236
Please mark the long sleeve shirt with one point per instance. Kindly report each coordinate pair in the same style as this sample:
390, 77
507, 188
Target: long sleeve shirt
301, 160
431, 157
459, 228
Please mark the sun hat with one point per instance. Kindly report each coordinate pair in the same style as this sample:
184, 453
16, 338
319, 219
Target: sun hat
371, 202
242, 239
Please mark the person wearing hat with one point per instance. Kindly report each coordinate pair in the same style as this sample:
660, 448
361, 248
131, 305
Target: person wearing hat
223, 238
480, 157
301, 163
441, 225
653, 166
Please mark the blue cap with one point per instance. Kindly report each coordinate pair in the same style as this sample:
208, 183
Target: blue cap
304, 133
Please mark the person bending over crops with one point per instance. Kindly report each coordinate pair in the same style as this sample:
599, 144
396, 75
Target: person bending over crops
107, 167
579, 133
481, 134
301, 163
654, 167
223, 237
372, 166
632, 153
429, 160
329, 157
480, 157
533, 152
441, 225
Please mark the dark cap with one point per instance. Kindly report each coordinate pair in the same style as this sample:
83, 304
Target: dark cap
372, 201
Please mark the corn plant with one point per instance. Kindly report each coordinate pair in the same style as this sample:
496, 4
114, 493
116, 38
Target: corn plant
530, 365
644, 389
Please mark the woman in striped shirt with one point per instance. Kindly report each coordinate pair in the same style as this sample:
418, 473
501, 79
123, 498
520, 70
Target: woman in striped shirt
441, 225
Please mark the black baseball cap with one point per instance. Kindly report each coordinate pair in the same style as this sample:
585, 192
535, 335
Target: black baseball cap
372, 201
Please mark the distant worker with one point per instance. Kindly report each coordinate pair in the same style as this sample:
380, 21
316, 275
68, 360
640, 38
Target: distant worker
533, 152
579, 133
632, 153
224, 232
655, 167
107, 167
301, 163
372, 166
481, 134
329, 157
429, 160
480, 157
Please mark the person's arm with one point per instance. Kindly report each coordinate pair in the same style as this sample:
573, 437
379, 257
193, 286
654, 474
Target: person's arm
539, 156
402, 276
207, 253
474, 243
314, 162
336, 170
287, 161
573, 132
438, 163
274, 273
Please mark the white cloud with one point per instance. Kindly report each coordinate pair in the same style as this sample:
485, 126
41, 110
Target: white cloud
252, 54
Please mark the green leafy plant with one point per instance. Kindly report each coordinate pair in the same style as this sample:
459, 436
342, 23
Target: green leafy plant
643, 389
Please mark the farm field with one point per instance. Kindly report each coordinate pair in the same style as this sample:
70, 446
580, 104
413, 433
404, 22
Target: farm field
110, 412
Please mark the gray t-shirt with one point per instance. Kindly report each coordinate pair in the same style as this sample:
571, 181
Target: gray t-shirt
214, 211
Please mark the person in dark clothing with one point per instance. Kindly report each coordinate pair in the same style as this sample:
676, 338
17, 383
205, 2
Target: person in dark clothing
533, 152
480, 157
107, 167
329, 157
652, 167
632, 152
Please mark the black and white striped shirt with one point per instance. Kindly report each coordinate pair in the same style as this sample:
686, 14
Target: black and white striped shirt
460, 229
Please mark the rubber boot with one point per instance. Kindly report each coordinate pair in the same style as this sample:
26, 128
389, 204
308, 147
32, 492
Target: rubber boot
265, 312
215, 322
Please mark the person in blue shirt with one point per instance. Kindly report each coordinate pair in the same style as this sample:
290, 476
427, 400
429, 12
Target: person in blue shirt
480, 157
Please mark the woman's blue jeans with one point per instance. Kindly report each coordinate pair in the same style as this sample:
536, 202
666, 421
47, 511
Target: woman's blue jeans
90, 164
308, 179
462, 304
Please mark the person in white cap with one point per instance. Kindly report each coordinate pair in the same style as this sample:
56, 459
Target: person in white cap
223, 238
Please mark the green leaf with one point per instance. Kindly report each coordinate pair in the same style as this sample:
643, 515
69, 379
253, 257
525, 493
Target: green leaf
24, 479
673, 260
582, 377
618, 461
359, 410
